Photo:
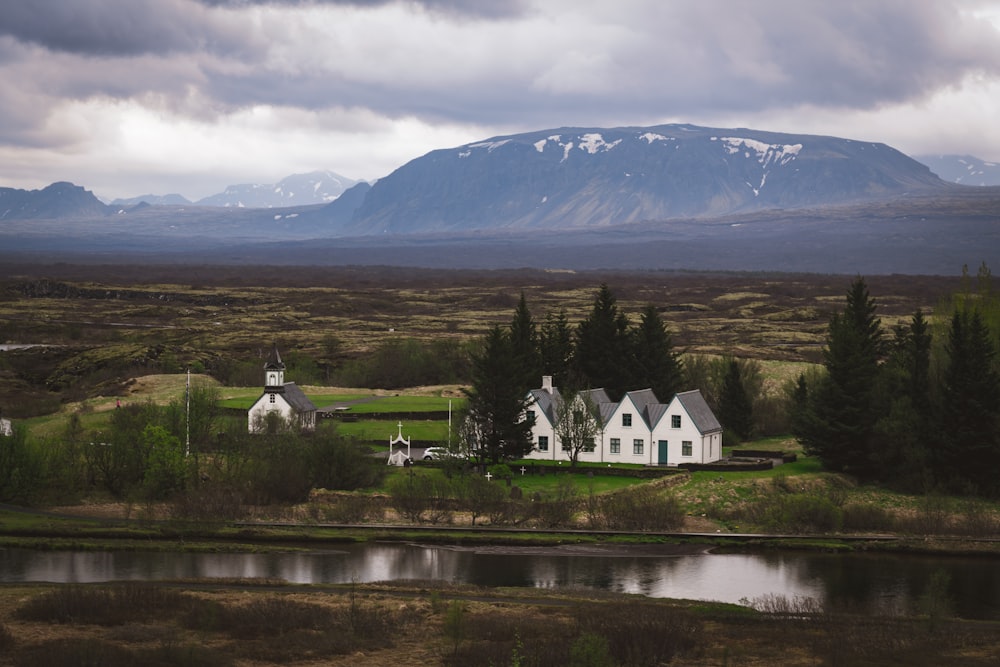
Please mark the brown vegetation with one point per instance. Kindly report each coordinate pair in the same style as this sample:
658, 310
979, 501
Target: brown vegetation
115, 322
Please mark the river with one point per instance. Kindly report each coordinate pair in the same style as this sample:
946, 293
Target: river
867, 582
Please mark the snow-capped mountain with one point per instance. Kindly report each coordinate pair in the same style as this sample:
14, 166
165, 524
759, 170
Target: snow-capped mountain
593, 177
963, 169
316, 187
153, 200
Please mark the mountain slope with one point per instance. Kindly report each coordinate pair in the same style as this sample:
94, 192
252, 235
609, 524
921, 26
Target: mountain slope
59, 200
585, 177
963, 169
317, 187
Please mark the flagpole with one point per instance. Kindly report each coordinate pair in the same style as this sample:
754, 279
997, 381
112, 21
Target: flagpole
187, 400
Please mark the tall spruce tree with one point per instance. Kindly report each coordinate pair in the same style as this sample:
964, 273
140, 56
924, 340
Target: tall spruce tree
907, 430
603, 347
526, 370
971, 405
735, 406
839, 424
497, 405
556, 346
656, 364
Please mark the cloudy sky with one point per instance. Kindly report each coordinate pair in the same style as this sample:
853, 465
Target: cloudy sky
129, 97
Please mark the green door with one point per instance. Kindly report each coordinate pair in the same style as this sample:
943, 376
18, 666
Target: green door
663, 452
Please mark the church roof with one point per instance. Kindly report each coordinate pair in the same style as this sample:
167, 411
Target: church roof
297, 398
273, 362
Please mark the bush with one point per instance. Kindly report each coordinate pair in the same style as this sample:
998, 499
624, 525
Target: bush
110, 605
643, 508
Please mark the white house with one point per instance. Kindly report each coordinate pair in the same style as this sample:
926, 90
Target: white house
285, 399
637, 429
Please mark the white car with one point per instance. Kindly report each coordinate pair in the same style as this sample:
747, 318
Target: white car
437, 454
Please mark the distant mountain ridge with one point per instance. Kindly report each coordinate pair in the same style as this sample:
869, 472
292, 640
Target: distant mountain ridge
963, 169
314, 187
587, 177
59, 200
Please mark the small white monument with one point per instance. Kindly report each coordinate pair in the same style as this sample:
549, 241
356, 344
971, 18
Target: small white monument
397, 457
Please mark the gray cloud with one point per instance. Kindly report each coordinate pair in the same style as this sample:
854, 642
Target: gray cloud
118, 28
510, 65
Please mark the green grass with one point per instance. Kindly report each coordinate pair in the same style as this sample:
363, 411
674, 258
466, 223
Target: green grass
529, 484
406, 404
245, 398
436, 431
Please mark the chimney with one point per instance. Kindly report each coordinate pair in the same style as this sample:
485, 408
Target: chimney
547, 383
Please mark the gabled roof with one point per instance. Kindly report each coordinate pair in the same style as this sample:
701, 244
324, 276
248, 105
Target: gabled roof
702, 415
297, 398
644, 401
546, 402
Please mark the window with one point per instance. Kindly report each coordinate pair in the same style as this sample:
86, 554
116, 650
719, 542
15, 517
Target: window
637, 446
616, 446
589, 447
543, 443
675, 421
626, 419
270, 397
685, 448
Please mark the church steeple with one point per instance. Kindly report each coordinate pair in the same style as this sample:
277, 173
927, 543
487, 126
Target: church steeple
274, 369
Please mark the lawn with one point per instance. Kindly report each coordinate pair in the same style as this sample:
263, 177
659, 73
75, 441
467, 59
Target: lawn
530, 484
375, 430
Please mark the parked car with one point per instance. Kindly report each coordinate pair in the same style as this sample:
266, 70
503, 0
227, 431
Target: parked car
437, 454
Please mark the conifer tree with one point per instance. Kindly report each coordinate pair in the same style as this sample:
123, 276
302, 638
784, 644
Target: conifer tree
735, 406
556, 346
971, 404
526, 370
497, 406
839, 424
656, 364
603, 349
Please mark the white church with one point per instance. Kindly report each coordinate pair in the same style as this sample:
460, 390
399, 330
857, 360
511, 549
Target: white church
284, 399
637, 429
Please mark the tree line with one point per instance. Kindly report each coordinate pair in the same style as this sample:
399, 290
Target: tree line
916, 406
604, 350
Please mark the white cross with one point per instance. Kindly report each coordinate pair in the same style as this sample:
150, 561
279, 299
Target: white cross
523, 470
489, 476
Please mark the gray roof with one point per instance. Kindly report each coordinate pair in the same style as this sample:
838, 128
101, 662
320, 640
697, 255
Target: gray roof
702, 415
644, 401
547, 402
297, 398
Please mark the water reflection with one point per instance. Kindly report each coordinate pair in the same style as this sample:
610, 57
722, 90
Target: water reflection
864, 582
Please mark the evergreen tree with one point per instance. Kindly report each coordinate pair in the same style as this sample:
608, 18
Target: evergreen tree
839, 424
735, 406
603, 349
907, 430
497, 405
971, 404
656, 364
527, 368
556, 345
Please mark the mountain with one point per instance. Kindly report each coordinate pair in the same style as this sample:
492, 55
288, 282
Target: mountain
593, 177
963, 169
59, 200
316, 187
153, 200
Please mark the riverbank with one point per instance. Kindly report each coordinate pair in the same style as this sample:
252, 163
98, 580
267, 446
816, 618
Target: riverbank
33, 529
242, 622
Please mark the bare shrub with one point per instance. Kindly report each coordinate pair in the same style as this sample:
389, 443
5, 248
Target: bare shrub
111, 605
641, 508
868, 517
641, 634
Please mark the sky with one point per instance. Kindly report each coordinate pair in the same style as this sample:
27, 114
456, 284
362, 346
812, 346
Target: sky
130, 97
